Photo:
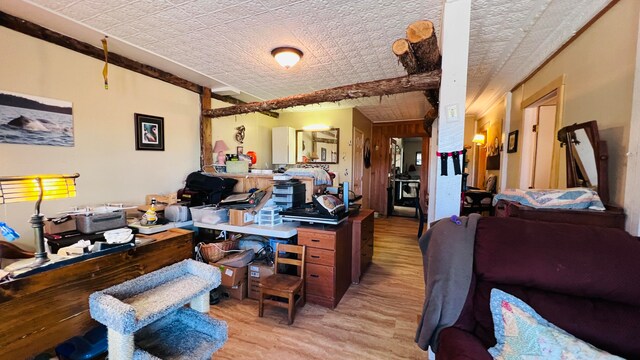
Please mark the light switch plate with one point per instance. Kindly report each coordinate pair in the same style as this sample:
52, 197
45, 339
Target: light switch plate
452, 113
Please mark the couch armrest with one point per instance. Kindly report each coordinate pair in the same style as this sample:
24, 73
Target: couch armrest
457, 344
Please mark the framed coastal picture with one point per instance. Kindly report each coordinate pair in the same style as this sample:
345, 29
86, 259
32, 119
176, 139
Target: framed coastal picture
35, 120
149, 132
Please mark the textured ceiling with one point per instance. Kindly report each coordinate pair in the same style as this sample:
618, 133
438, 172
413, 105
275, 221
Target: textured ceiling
226, 44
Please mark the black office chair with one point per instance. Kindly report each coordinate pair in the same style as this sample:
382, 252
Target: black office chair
479, 201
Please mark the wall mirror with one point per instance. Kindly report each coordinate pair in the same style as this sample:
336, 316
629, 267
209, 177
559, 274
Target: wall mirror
318, 147
586, 157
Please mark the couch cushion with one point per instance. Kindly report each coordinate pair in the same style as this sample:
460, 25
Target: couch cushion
521, 332
571, 259
583, 279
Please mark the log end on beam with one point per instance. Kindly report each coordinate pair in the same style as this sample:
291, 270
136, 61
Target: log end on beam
400, 47
419, 30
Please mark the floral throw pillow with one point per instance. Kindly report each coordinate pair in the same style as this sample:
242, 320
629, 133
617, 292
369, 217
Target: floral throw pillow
523, 334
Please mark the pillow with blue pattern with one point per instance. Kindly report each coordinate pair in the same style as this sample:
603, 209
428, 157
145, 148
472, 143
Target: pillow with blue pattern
523, 334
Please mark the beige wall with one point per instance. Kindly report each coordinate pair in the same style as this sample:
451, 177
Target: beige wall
599, 67
257, 133
110, 168
514, 159
364, 124
342, 119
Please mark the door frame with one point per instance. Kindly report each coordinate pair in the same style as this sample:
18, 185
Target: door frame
527, 106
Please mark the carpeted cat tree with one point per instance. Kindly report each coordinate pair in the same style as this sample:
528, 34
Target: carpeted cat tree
146, 317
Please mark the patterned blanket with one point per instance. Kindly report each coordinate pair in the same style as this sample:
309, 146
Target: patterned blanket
321, 177
573, 198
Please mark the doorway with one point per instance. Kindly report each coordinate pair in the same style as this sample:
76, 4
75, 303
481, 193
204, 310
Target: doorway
539, 129
404, 177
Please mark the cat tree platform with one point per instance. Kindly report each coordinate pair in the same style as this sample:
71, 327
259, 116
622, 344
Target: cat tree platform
146, 317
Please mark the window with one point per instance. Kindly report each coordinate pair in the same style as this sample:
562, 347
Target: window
419, 158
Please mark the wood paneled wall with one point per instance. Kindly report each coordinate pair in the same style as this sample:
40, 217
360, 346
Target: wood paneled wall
380, 160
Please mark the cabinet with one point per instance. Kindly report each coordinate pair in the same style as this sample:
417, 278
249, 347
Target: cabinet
283, 145
327, 263
362, 243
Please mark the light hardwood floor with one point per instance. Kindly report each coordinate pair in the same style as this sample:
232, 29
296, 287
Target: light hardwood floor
376, 319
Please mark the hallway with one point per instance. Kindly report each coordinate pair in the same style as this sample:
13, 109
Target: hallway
376, 319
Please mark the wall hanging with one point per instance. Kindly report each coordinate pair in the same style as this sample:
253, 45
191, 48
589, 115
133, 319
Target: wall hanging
367, 153
512, 143
149, 132
240, 134
34, 120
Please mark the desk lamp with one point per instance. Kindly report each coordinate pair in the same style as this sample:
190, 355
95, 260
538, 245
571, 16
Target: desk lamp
37, 187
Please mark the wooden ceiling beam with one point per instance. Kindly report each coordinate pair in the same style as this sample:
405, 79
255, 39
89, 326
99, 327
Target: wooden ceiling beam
404, 84
232, 100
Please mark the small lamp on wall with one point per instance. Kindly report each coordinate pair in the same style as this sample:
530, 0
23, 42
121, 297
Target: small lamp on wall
478, 139
220, 147
36, 188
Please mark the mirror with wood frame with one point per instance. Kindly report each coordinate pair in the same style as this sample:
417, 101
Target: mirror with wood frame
586, 157
317, 147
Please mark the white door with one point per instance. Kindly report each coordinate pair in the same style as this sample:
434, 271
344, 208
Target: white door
358, 160
545, 131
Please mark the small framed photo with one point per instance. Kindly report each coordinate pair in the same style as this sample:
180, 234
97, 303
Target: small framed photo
149, 132
239, 150
512, 144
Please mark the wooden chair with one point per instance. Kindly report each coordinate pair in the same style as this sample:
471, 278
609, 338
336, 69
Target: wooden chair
284, 286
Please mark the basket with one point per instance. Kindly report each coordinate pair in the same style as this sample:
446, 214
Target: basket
215, 251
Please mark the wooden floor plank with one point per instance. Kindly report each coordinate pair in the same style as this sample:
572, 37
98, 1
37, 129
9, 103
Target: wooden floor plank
376, 319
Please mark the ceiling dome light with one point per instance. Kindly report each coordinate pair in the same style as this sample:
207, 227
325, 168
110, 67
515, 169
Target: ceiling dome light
286, 56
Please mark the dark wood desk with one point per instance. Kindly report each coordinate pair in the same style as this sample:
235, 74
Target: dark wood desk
42, 310
362, 243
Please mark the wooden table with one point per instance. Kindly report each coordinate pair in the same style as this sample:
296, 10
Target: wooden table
38, 312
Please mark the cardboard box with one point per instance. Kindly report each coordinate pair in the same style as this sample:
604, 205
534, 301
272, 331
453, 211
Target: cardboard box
238, 291
231, 276
60, 225
257, 271
162, 199
239, 217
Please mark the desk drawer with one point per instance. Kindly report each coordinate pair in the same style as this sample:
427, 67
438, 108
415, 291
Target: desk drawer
320, 256
319, 280
315, 239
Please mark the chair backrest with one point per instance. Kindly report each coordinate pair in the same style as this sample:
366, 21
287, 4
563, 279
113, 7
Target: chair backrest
490, 183
282, 256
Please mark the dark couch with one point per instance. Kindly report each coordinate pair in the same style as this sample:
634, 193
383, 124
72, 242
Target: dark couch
583, 279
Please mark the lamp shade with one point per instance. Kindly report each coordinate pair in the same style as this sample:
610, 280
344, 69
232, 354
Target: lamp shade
33, 187
220, 146
286, 56
478, 139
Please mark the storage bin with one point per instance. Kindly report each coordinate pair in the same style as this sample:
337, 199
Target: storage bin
237, 167
93, 223
289, 189
209, 214
298, 197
